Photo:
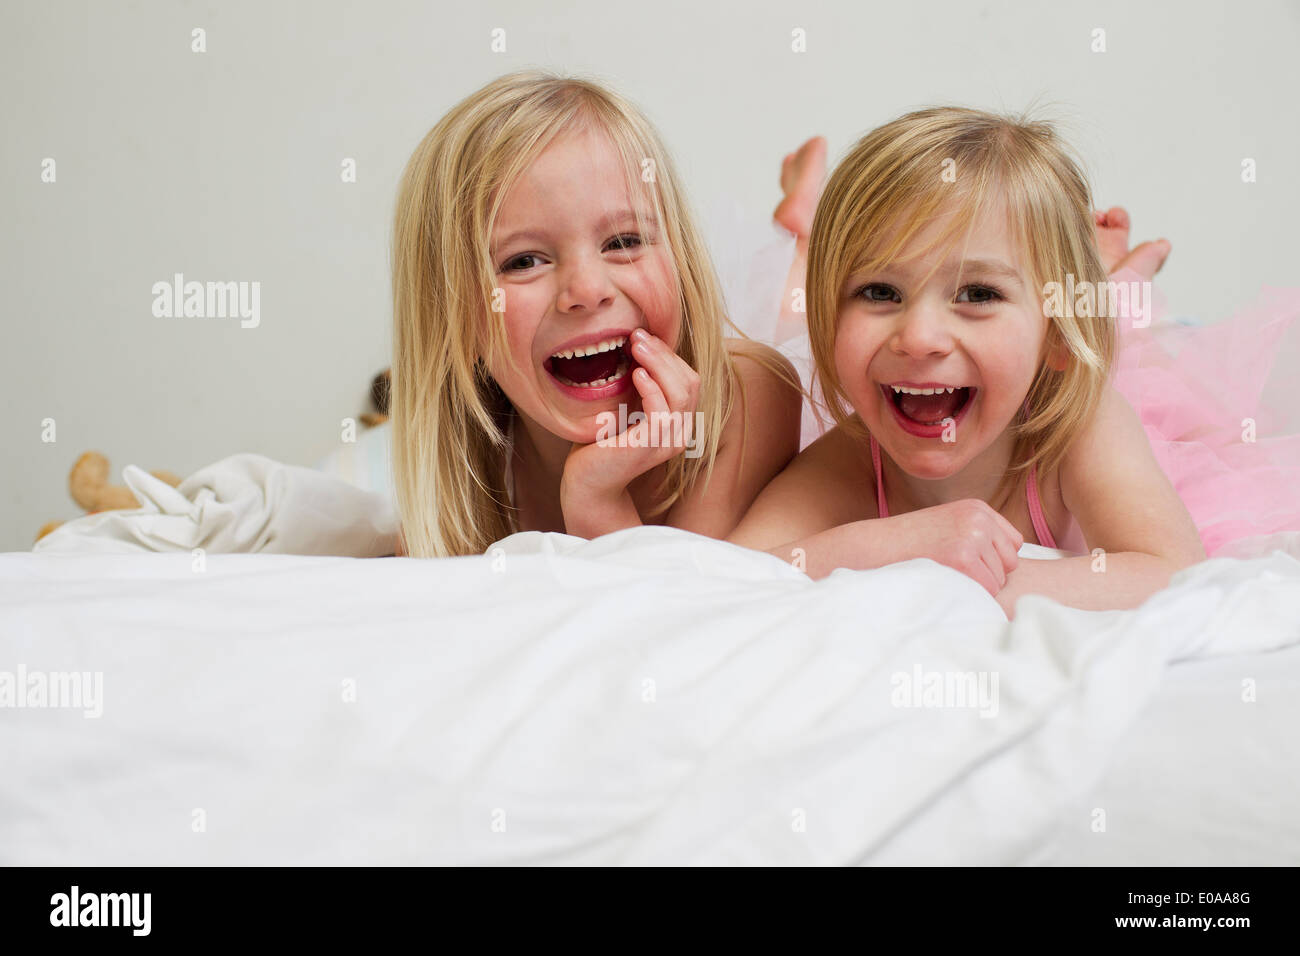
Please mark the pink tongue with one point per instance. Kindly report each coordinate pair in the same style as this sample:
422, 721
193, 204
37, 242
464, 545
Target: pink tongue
589, 368
931, 408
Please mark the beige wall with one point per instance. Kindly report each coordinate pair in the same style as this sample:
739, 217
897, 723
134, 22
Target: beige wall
225, 166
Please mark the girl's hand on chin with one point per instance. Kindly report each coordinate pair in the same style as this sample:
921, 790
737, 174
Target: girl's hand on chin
967, 535
596, 476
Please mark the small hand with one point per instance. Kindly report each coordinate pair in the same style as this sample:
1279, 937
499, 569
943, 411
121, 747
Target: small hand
968, 536
599, 473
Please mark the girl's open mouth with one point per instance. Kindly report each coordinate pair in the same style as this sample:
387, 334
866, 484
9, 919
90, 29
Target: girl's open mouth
592, 371
923, 411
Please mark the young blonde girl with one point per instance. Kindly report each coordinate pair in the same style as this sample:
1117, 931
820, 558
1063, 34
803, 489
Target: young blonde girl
929, 260
546, 272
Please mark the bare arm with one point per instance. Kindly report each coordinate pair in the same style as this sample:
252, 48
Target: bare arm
820, 514
762, 436
817, 504
1124, 504
858, 545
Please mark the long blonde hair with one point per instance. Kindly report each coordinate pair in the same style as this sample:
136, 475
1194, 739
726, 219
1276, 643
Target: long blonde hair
892, 179
449, 416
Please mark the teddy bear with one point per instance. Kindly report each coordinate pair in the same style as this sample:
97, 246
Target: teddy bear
88, 484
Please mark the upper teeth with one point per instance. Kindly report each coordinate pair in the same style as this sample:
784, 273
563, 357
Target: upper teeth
924, 391
582, 350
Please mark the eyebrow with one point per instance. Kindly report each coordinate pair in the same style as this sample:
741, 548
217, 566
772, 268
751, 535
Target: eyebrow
966, 267
610, 220
989, 267
516, 235
622, 215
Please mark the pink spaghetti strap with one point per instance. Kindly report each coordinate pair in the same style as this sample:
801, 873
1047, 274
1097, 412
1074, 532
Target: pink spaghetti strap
1031, 492
1036, 510
882, 509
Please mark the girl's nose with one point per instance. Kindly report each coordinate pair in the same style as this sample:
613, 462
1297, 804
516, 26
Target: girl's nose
584, 286
922, 330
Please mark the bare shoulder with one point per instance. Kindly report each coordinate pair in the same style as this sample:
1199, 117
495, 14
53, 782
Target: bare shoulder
769, 396
1105, 444
759, 438
1112, 412
825, 486
1114, 487
761, 365
841, 458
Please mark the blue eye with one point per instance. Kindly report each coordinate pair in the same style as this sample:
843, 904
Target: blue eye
878, 292
979, 295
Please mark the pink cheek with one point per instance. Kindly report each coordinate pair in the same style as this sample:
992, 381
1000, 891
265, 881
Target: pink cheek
655, 297
662, 320
667, 331
853, 357
521, 331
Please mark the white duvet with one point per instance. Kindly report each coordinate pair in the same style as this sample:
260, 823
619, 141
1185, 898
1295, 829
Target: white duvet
649, 697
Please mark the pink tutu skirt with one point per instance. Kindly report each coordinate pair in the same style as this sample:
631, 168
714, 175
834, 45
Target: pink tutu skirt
1219, 407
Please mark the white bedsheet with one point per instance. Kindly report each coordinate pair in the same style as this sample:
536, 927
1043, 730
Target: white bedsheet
244, 504
1209, 774
649, 697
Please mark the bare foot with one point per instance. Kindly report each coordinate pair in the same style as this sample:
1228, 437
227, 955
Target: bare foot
1112, 230
802, 175
1147, 258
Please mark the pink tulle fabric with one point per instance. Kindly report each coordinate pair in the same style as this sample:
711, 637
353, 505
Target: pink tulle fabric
1218, 403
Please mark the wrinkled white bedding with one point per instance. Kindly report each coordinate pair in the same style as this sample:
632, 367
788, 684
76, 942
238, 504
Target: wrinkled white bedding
649, 697
245, 504
1208, 776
